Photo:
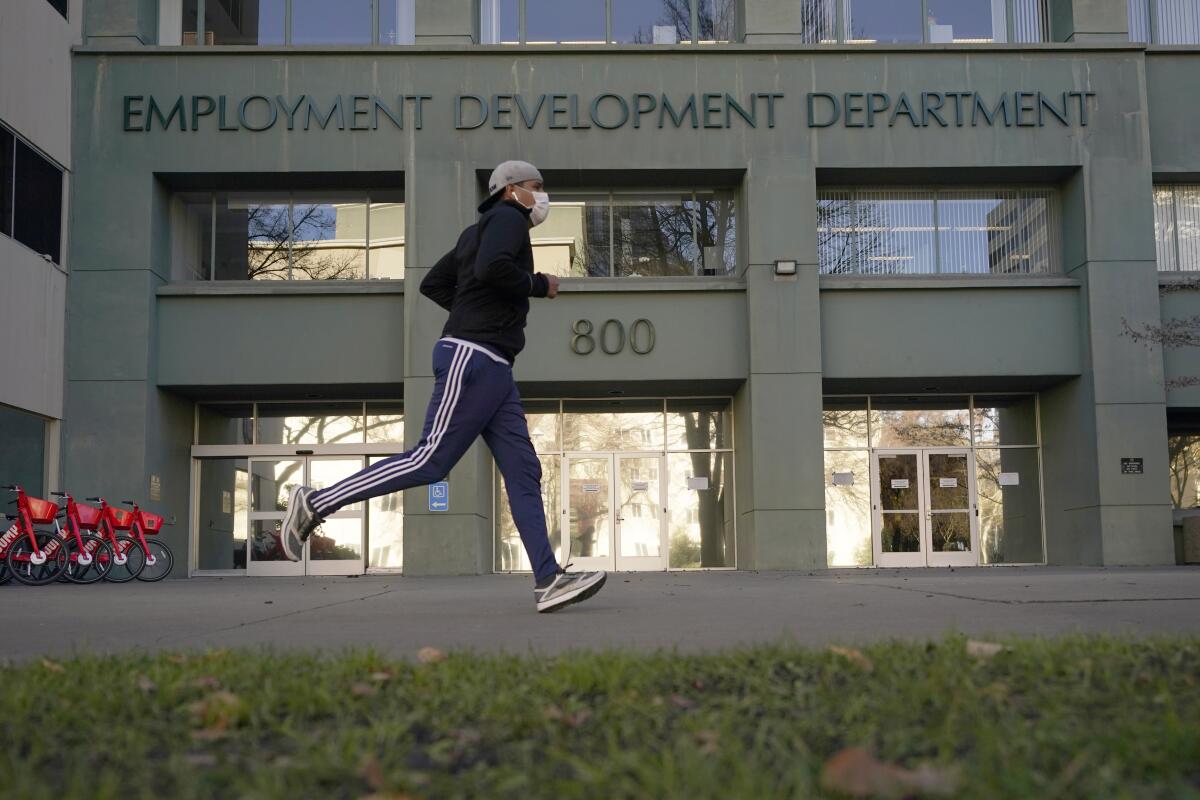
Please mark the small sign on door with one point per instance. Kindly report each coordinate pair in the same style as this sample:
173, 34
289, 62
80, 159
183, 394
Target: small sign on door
591, 488
640, 486
698, 483
947, 483
899, 483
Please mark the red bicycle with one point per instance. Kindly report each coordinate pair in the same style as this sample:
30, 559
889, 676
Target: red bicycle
128, 557
91, 557
34, 557
135, 556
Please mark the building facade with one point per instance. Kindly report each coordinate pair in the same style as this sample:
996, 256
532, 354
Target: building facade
845, 282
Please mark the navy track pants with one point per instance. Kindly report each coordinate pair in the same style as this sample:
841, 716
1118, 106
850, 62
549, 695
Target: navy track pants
473, 394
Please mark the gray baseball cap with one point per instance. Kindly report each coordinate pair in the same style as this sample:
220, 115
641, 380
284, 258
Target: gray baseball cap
506, 174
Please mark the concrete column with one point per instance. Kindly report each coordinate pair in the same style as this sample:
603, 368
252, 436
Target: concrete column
781, 502
120, 22
440, 198
1096, 514
447, 21
1089, 20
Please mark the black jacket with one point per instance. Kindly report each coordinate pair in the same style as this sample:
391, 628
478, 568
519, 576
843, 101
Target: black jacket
486, 281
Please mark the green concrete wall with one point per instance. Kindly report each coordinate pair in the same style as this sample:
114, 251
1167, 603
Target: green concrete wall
775, 343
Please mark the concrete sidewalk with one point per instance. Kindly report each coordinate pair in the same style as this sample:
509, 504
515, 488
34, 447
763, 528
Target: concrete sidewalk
690, 611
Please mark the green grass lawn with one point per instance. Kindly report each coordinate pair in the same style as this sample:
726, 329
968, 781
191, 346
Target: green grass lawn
1077, 717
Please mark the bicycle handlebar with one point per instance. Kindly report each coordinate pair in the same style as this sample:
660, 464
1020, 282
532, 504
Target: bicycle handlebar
128, 503
12, 487
94, 499
58, 494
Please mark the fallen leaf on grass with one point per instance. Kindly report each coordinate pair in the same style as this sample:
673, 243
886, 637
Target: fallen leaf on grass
200, 760
206, 682
430, 655
371, 771
854, 771
707, 741
855, 656
145, 684
216, 714
381, 676
977, 649
570, 719
177, 658
360, 689
53, 666
679, 701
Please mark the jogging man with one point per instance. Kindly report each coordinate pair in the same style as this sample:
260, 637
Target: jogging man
485, 283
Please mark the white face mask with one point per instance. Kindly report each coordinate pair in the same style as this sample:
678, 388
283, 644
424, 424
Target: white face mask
540, 208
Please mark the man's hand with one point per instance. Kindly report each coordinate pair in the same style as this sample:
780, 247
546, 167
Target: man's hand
552, 292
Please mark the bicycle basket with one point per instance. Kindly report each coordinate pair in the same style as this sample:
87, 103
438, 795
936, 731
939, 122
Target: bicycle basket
42, 511
151, 523
122, 520
89, 517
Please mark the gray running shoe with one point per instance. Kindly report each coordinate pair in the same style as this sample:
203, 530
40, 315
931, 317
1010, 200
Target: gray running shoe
298, 524
566, 588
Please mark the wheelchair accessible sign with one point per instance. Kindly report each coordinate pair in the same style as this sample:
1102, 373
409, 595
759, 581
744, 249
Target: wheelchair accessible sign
439, 496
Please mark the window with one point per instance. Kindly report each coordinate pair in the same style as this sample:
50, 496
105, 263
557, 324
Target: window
289, 236
887, 231
1184, 454
1164, 21
1177, 226
900, 21
23, 456
31, 196
611, 22
286, 22
617, 234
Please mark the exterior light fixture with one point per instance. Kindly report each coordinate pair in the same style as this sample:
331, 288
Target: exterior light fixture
785, 268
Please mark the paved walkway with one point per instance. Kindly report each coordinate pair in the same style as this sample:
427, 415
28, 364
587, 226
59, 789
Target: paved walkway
690, 611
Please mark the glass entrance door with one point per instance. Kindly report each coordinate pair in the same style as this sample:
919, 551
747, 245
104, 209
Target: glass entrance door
924, 508
613, 512
337, 546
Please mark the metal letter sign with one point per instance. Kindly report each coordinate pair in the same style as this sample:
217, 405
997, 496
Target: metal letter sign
1132, 466
439, 496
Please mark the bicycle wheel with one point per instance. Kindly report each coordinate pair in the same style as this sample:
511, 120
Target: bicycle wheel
22, 565
128, 560
163, 559
97, 566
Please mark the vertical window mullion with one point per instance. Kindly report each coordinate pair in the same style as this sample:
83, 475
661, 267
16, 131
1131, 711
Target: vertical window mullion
695, 21
287, 40
1175, 228
367, 251
937, 231
199, 22
612, 238
375, 8
925, 21
608, 37
521, 38
291, 215
854, 232
1010, 20
212, 239
839, 20
1155, 35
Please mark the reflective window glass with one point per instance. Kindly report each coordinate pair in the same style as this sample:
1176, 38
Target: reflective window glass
252, 234
883, 21
387, 239
1177, 21
574, 241
236, 22
1006, 420
565, 21
7, 154
1184, 454
848, 507
1029, 21
920, 422
717, 20
845, 421
966, 21
23, 454
699, 424
223, 504
543, 420
325, 22
653, 236
895, 232
397, 23
651, 21
225, 423
1187, 222
329, 240
1164, 227
700, 510
510, 552
310, 423
271, 482
1139, 21
385, 423
191, 237
37, 203
500, 21
385, 529
608, 425
1008, 484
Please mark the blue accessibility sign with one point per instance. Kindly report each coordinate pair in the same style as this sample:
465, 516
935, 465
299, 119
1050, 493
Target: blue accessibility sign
439, 496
